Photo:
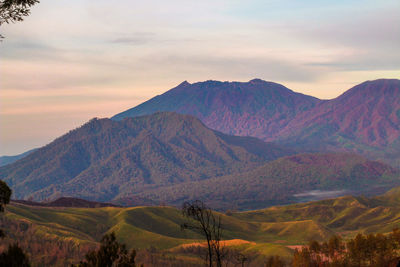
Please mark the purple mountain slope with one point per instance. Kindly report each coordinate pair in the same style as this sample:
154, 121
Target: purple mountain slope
365, 119
255, 108
103, 158
368, 113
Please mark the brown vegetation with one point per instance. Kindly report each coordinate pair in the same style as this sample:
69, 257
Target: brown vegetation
376, 250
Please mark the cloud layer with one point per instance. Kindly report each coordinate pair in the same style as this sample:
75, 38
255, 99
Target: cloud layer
78, 59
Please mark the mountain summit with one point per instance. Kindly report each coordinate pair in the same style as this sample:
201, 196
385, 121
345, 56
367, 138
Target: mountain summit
255, 108
368, 113
365, 119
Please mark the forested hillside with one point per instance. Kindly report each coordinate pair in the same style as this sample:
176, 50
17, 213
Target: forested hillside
106, 159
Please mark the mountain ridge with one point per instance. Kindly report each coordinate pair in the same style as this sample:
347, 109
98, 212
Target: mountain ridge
4, 160
223, 104
105, 158
135, 159
365, 119
379, 98
290, 179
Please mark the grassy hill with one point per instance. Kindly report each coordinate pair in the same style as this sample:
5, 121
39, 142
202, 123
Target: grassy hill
263, 232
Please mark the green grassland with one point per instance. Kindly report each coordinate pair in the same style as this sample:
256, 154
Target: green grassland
269, 231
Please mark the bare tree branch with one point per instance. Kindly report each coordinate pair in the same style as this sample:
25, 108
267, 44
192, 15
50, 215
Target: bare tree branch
208, 225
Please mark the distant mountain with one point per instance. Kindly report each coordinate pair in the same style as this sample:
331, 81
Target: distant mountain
4, 160
169, 157
365, 119
70, 202
105, 159
286, 180
255, 108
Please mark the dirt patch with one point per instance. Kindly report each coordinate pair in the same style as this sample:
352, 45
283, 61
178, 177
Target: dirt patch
224, 243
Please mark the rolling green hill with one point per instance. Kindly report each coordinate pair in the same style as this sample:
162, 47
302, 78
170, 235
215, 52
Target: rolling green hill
268, 231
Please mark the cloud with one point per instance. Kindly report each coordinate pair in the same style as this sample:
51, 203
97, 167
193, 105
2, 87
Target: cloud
142, 48
22, 48
53, 75
318, 194
371, 40
231, 66
367, 62
380, 29
138, 38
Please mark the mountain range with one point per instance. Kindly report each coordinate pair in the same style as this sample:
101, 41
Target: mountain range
364, 119
179, 146
106, 159
256, 108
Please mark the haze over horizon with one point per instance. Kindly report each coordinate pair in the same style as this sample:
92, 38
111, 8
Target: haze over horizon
70, 61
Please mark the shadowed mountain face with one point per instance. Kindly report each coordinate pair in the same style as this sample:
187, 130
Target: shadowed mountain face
256, 108
104, 159
286, 180
4, 160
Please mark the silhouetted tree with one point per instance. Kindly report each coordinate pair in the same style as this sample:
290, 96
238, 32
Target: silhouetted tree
12, 11
14, 257
275, 261
5, 195
208, 225
241, 258
110, 254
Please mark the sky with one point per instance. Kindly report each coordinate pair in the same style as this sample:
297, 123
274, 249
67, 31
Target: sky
72, 60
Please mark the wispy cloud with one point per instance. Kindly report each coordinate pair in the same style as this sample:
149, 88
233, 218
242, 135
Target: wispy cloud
318, 194
136, 49
371, 40
138, 38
